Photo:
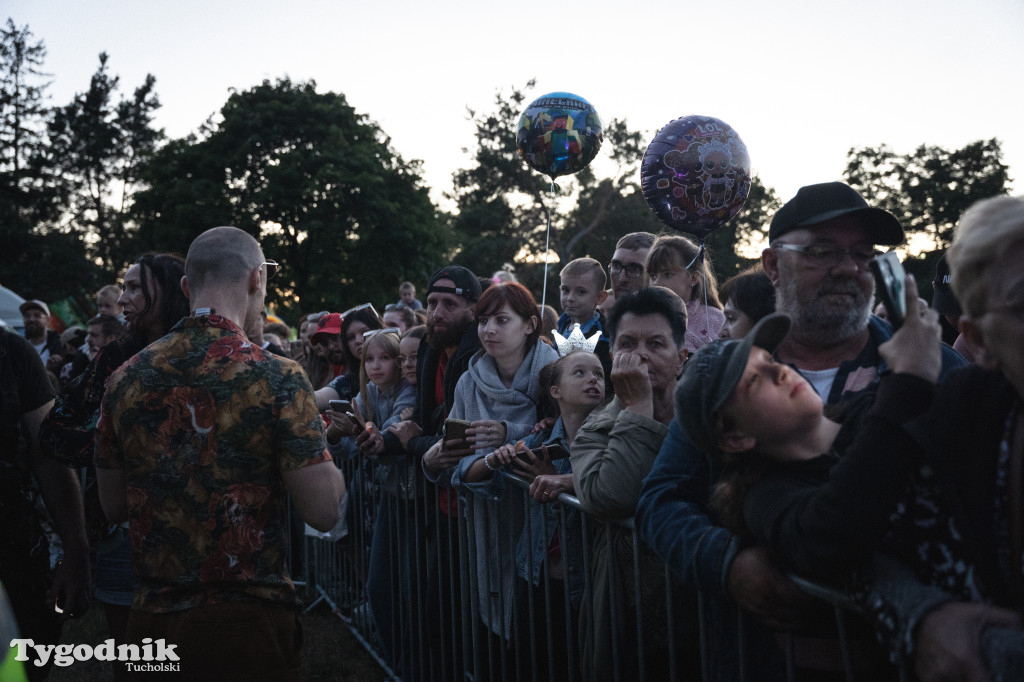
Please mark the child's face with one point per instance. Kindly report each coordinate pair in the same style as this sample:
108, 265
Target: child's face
581, 382
679, 280
409, 348
381, 368
107, 306
773, 403
407, 295
579, 297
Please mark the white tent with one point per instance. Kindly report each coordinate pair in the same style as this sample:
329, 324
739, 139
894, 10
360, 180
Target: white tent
10, 316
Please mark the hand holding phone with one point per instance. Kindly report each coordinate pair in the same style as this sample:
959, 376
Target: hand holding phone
889, 277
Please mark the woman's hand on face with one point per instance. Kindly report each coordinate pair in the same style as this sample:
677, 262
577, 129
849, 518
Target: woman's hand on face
547, 488
486, 434
630, 379
915, 348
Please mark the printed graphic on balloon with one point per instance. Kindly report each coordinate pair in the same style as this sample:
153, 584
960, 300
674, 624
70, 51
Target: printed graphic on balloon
558, 134
695, 174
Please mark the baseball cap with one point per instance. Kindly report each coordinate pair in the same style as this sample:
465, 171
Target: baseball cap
327, 324
712, 374
34, 304
943, 299
816, 204
466, 283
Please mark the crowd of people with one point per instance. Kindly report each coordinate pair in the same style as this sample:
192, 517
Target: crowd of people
755, 433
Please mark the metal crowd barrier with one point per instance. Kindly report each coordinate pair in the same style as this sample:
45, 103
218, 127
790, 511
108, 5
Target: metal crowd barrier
426, 578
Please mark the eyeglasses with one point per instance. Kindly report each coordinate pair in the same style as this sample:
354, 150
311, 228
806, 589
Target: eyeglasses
633, 270
272, 268
383, 330
390, 306
412, 357
824, 256
364, 306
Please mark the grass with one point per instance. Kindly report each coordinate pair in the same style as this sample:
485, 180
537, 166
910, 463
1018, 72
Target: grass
329, 651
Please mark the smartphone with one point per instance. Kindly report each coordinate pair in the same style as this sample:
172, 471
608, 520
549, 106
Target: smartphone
555, 451
890, 278
340, 405
455, 429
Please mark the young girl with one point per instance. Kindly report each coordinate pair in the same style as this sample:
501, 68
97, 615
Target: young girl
574, 385
383, 395
817, 492
670, 265
383, 392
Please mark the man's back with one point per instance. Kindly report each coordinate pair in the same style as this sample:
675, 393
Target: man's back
203, 423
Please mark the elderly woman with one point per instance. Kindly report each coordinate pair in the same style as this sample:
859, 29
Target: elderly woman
964, 621
613, 451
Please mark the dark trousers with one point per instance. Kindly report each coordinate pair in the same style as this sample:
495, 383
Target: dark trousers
242, 640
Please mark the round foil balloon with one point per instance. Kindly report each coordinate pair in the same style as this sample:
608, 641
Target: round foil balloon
559, 134
696, 174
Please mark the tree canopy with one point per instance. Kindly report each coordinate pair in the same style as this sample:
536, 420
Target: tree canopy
315, 182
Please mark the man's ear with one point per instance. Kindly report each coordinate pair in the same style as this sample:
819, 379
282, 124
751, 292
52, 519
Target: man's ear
602, 297
976, 339
736, 441
254, 278
184, 287
770, 263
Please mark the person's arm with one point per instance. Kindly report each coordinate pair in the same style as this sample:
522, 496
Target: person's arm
316, 491
113, 488
610, 457
672, 515
62, 496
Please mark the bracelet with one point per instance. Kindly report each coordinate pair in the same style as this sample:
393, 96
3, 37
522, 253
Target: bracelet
488, 464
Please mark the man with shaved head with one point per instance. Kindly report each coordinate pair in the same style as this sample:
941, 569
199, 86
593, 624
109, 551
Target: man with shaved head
201, 436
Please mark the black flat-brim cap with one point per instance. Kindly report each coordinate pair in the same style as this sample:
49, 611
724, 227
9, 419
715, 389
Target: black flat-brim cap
817, 204
712, 374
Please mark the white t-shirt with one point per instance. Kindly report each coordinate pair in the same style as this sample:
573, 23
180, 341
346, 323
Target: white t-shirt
821, 380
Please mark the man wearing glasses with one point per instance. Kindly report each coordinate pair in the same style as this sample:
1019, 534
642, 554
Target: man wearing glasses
627, 265
820, 244
201, 436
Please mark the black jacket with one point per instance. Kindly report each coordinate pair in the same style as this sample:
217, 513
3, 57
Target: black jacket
428, 414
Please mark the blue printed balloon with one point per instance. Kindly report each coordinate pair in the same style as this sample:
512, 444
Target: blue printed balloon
559, 133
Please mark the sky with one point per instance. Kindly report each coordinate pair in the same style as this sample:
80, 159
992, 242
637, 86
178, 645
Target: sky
800, 81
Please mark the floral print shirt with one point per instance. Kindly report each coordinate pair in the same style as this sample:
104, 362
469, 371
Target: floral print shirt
203, 423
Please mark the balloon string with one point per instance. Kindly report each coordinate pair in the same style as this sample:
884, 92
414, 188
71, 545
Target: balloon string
699, 260
547, 243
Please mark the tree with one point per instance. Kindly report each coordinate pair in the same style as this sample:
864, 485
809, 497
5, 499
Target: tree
96, 149
503, 204
315, 182
928, 189
52, 268
746, 232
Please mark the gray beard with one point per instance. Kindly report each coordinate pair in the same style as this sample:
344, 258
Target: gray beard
817, 322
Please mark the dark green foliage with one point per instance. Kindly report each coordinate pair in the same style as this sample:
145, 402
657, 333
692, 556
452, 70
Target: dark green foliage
929, 188
315, 182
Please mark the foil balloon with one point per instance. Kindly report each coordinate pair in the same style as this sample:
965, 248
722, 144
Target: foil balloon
559, 133
695, 174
